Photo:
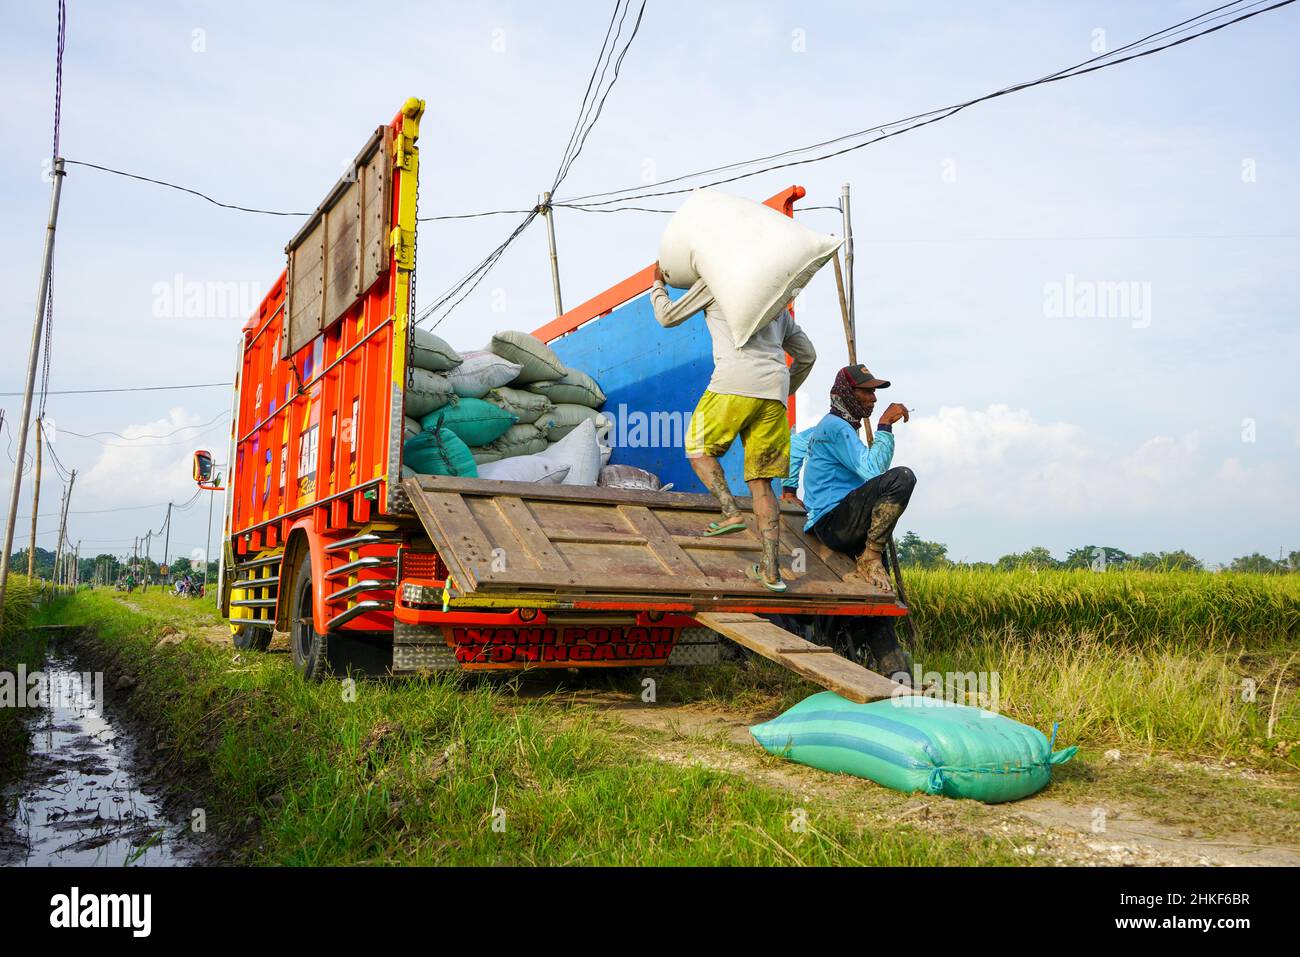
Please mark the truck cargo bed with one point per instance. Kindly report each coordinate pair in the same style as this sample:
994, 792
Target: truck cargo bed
624, 547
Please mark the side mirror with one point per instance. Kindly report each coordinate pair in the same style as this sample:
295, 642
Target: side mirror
203, 467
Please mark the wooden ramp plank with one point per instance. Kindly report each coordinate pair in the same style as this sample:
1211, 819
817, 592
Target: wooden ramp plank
817, 663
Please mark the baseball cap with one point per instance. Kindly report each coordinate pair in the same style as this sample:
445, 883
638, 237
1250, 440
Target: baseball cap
862, 378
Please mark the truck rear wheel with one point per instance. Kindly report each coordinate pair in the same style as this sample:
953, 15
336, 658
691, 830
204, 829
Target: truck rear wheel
310, 647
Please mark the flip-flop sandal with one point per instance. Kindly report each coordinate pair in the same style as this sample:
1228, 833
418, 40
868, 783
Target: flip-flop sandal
724, 528
754, 573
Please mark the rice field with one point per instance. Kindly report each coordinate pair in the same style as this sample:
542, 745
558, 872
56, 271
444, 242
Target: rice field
1138, 607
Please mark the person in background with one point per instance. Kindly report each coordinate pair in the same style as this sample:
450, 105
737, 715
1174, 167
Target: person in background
854, 498
745, 397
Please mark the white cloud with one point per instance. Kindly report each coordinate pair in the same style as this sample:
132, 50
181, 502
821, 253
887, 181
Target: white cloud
140, 468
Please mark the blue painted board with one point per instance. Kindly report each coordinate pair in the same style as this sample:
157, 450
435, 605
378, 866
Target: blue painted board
652, 378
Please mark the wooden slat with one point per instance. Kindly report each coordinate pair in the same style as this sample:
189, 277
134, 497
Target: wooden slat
668, 552
535, 543
814, 662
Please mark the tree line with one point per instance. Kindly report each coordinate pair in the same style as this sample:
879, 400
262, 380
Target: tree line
916, 551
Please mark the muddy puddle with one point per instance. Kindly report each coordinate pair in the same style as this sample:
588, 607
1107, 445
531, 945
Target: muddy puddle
80, 801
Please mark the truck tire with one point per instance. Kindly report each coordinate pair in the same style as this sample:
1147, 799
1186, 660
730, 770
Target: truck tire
250, 637
310, 647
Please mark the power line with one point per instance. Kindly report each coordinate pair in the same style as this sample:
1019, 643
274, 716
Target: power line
454, 296
183, 189
137, 438
143, 388
933, 116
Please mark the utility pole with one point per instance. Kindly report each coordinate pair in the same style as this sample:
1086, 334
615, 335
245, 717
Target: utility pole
33, 356
36, 503
849, 285
76, 567
148, 547
167, 541
207, 542
555, 262
59, 560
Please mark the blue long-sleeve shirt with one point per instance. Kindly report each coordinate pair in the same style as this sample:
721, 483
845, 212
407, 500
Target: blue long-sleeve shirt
837, 461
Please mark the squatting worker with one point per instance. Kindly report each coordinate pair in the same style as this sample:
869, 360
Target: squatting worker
853, 497
746, 397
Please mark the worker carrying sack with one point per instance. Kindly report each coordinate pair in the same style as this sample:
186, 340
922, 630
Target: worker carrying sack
916, 743
439, 451
481, 372
753, 259
476, 422
536, 360
432, 352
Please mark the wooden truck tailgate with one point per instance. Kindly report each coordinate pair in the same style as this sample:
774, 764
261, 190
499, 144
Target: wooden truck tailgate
620, 545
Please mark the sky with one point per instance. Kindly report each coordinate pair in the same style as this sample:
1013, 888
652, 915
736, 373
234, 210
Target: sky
1087, 292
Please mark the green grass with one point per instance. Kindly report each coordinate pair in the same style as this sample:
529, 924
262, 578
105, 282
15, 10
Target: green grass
17, 647
412, 770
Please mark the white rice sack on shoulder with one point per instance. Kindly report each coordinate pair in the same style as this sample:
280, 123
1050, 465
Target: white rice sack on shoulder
576, 387
536, 360
481, 372
753, 259
539, 469
432, 352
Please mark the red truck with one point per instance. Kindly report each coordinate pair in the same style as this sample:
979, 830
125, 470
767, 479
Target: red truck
324, 538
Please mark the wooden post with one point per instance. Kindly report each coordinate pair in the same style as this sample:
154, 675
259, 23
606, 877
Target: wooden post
36, 502
555, 262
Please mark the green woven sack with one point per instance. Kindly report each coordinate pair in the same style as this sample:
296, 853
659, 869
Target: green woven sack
475, 421
576, 387
914, 743
439, 451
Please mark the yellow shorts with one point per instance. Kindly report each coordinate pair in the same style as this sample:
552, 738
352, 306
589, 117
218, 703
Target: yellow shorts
762, 425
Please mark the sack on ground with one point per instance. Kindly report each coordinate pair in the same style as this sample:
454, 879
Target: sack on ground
519, 440
476, 422
535, 359
538, 469
432, 352
425, 392
753, 259
439, 451
629, 476
914, 743
479, 373
564, 417
576, 387
525, 406
580, 450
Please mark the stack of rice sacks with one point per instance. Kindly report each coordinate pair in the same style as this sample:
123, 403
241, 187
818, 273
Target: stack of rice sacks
511, 412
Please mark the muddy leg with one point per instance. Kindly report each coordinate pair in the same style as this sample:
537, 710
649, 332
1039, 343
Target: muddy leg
709, 471
767, 516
